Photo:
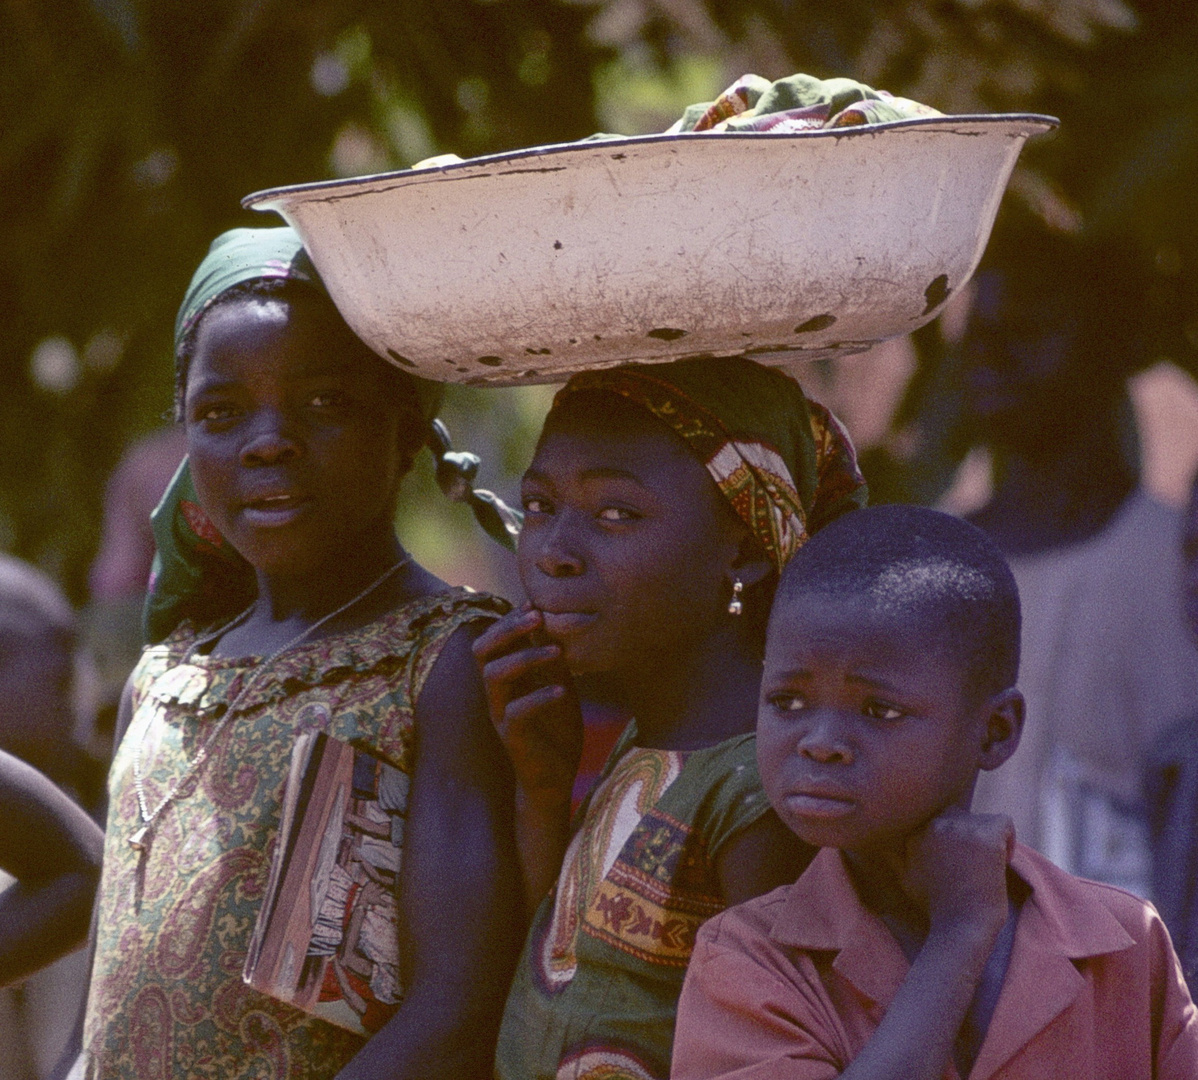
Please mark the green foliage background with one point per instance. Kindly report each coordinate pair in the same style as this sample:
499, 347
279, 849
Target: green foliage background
130, 129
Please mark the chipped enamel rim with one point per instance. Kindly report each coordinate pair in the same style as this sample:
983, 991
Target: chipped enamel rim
530, 265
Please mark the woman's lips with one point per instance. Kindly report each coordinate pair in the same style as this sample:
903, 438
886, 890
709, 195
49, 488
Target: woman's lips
566, 623
819, 804
275, 510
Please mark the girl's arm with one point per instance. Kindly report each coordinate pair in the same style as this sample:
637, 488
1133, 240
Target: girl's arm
536, 713
66, 1060
53, 849
460, 905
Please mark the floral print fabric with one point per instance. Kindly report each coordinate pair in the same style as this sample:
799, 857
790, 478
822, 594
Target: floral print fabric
597, 986
167, 998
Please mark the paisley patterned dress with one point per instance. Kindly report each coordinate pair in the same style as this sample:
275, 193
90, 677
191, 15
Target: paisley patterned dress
597, 987
167, 999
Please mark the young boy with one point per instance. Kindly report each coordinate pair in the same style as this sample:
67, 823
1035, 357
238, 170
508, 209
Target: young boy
922, 941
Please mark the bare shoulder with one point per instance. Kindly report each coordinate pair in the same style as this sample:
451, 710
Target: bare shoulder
450, 706
429, 636
452, 684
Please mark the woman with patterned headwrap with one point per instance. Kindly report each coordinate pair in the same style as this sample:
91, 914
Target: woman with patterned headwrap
660, 506
298, 439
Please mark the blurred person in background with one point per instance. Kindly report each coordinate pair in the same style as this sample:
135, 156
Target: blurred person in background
39, 723
1171, 791
1051, 341
50, 853
117, 580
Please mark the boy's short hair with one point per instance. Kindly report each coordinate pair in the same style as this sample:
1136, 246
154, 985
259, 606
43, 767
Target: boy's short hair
942, 571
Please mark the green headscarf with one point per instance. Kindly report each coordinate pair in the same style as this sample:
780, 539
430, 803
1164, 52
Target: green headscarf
238, 256
197, 574
784, 462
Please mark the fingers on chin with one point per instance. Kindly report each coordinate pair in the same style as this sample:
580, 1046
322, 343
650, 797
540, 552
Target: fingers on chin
501, 634
525, 708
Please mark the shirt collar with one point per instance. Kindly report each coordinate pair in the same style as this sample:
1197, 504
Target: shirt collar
822, 911
1059, 923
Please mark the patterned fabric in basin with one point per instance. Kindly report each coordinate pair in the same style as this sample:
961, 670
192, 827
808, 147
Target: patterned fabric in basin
798, 103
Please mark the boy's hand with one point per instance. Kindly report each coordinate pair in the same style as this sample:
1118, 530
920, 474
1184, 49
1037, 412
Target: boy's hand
956, 868
533, 705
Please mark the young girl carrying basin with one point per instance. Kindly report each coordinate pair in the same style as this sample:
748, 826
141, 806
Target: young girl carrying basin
298, 440
660, 506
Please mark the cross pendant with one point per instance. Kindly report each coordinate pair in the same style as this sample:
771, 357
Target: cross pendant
137, 841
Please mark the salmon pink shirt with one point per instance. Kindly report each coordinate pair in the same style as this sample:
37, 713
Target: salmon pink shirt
791, 986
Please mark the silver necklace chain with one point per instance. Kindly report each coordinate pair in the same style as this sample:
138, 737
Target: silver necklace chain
137, 840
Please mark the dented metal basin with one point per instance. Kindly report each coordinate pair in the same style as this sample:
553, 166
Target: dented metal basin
528, 266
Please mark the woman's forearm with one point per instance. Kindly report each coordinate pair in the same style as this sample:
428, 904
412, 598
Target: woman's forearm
542, 836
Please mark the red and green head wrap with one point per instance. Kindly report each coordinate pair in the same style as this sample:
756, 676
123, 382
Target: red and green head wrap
784, 462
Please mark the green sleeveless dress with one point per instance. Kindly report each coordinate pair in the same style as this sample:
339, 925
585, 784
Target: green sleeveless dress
597, 987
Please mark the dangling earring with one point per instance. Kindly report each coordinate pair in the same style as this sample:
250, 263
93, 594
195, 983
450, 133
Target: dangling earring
735, 607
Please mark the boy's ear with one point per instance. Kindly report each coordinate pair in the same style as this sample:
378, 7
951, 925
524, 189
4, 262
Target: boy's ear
1004, 726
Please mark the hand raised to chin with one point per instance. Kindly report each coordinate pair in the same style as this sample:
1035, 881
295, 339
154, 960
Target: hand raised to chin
534, 706
956, 870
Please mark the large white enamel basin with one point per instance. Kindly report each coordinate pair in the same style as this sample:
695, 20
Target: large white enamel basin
528, 266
